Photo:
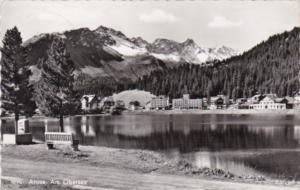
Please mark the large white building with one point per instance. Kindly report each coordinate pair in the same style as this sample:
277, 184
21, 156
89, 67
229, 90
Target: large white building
270, 101
160, 102
186, 103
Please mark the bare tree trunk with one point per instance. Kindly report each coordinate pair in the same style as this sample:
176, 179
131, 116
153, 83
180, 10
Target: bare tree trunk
16, 123
61, 123
61, 117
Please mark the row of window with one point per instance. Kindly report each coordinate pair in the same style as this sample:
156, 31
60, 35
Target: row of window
275, 106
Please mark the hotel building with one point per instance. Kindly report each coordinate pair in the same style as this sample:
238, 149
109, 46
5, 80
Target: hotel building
160, 102
186, 103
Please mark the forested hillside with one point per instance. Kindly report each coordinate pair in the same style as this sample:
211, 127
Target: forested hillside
272, 66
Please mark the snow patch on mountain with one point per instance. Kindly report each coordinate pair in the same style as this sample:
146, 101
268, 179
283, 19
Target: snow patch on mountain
127, 50
203, 57
166, 57
126, 47
221, 52
188, 51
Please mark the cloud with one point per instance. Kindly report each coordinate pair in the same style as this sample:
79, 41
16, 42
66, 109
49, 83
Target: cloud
47, 17
158, 16
54, 17
222, 22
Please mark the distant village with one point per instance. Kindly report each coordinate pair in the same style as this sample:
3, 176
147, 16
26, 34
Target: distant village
95, 104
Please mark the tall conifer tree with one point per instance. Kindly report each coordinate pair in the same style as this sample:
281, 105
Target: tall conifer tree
55, 93
16, 90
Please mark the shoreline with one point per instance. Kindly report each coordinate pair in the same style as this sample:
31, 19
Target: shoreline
295, 112
221, 111
37, 162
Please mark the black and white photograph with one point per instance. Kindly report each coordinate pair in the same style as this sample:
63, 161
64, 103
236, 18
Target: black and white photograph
150, 95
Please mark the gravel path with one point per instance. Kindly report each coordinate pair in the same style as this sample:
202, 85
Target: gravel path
105, 168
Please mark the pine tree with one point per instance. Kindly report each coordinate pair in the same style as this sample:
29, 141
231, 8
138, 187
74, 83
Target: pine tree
17, 92
56, 96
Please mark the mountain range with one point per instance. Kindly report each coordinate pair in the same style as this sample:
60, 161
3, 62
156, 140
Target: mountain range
164, 49
105, 52
107, 61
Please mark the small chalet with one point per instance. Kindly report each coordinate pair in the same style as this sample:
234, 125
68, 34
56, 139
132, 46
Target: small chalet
89, 102
218, 102
288, 101
107, 103
242, 103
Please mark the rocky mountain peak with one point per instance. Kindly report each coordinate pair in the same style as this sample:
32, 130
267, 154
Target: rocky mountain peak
164, 41
162, 45
225, 50
139, 42
109, 31
189, 42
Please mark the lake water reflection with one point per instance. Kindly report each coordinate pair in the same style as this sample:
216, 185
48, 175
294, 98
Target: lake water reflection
242, 144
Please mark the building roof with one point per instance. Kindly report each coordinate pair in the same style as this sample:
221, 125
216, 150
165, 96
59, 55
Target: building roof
256, 97
89, 97
219, 96
271, 96
297, 94
279, 100
289, 99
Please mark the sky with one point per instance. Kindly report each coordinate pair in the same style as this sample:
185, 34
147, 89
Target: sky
237, 24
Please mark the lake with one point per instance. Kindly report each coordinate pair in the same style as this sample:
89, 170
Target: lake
242, 144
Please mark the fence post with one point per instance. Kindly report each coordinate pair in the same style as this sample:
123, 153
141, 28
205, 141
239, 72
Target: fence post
46, 125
